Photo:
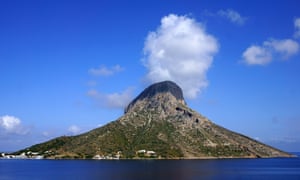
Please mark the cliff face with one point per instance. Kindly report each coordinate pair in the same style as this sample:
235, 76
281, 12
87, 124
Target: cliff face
159, 93
160, 122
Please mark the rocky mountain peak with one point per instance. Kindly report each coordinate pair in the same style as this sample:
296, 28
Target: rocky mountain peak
166, 92
157, 121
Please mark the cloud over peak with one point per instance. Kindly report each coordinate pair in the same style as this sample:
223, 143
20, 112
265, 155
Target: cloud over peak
182, 51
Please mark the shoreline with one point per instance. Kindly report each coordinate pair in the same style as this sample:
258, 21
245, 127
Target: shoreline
138, 159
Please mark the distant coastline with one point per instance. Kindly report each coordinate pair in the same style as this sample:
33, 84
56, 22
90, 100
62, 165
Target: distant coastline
37, 156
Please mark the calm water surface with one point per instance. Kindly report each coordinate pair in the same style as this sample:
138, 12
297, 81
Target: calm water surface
281, 168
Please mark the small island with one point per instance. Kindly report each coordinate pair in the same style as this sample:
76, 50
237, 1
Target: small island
157, 124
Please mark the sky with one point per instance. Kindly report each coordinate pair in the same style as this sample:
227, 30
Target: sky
67, 67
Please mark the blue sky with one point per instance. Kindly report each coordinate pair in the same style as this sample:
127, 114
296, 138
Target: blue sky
70, 66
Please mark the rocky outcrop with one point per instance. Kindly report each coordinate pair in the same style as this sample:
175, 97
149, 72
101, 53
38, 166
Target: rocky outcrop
161, 88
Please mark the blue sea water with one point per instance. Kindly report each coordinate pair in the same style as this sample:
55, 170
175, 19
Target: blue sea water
277, 168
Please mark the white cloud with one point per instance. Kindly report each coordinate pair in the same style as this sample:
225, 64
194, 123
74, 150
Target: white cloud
104, 71
233, 16
74, 129
113, 100
297, 28
46, 133
262, 55
11, 124
182, 51
285, 47
256, 55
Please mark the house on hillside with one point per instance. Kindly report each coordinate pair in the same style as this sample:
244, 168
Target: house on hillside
146, 153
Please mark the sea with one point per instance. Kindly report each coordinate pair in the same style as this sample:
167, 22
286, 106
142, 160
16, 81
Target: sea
272, 168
